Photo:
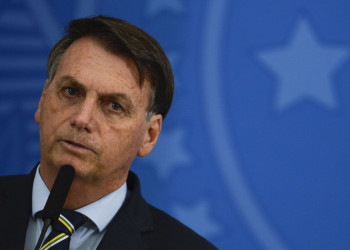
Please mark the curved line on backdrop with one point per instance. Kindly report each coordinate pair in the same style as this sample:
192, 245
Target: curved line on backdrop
223, 148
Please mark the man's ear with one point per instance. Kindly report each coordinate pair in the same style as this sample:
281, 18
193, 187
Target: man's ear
37, 112
151, 136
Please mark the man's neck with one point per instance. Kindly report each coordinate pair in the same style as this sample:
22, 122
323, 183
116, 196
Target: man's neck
82, 191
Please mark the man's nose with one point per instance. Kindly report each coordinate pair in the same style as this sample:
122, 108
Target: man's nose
84, 115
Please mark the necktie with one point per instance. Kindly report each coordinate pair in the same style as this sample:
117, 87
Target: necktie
62, 230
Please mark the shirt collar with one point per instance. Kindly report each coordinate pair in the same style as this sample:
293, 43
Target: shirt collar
100, 212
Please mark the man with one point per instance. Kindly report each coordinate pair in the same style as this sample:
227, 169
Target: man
108, 90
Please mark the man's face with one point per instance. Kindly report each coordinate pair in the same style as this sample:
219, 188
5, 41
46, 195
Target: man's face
93, 115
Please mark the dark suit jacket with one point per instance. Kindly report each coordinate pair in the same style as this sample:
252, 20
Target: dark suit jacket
137, 225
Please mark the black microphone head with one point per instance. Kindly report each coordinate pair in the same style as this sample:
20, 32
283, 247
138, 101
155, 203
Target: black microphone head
59, 192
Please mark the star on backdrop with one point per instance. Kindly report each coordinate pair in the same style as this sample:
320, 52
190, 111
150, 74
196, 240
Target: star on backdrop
15, 18
198, 217
174, 58
170, 153
153, 7
46, 20
85, 8
20, 20
305, 68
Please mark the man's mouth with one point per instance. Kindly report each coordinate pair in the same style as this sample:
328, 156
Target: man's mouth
76, 145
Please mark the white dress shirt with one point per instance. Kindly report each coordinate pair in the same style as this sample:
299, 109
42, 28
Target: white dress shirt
88, 236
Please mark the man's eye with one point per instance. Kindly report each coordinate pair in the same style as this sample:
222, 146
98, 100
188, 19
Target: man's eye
70, 91
116, 106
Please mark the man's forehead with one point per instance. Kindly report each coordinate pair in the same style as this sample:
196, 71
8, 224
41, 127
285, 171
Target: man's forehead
90, 44
86, 55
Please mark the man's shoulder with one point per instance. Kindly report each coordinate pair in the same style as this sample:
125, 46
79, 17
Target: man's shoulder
14, 186
11, 178
158, 229
8, 181
15, 209
174, 234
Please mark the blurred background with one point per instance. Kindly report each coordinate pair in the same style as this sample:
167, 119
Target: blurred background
254, 153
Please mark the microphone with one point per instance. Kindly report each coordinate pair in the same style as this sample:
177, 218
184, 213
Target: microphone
56, 199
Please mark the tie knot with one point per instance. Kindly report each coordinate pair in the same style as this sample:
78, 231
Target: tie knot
69, 221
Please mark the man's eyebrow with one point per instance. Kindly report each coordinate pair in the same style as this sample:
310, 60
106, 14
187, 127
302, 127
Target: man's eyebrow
120, 97
71, 80
114, 96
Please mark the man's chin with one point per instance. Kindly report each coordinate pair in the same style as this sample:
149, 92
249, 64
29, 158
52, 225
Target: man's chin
82, 169
84, 172
61, 158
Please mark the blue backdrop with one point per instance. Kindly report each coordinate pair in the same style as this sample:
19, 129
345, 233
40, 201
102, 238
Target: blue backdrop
255, 151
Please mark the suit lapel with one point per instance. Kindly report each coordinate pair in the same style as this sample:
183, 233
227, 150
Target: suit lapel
122, 235
133, 218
